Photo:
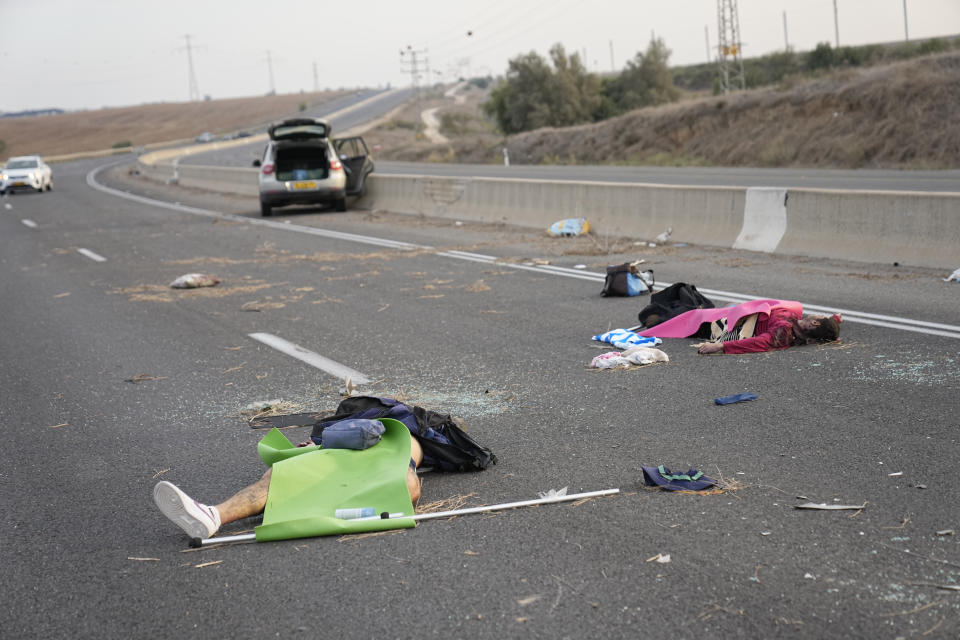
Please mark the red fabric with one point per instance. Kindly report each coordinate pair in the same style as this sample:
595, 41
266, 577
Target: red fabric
687, 324
773, 331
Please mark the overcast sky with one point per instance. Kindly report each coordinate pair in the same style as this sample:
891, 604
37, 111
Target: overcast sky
93, 53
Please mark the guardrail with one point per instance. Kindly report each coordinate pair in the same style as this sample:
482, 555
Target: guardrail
911, 228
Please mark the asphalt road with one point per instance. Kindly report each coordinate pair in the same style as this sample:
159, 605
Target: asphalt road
865, 179
504, 344
347, 113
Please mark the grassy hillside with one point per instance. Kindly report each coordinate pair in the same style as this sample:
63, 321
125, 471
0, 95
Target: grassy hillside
103, 128
903, 115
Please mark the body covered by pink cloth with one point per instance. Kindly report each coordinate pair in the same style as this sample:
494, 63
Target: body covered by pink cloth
687, 324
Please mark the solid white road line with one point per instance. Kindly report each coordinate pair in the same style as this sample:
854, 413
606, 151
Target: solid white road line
313, 359
29, 223
892, 322
90, 254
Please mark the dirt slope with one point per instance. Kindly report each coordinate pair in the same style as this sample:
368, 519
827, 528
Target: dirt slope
905, 115
101, 129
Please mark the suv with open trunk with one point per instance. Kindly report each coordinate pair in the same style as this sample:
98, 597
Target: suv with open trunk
303, 165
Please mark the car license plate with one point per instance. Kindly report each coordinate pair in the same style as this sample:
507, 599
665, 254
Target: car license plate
19, 183
310, 184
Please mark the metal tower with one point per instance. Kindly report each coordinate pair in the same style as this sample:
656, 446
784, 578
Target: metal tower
729, 47
194, 89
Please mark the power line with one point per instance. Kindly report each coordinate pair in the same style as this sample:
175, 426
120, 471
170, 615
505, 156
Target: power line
409, 64
194, 90
729, 47
273, 88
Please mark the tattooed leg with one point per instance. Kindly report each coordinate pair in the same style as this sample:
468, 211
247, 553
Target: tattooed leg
246, 502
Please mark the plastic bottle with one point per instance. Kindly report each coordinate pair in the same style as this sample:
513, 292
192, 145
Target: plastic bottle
353, 514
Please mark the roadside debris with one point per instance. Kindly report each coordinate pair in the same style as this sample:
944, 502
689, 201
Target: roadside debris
627, 280
144, 377
195, 280
662, 558
552, 493
348, 388
662, 477
663, 237
569, 227
947, 532
261, 406
737, 397
831, 507
624, 339
955, 276
638, 356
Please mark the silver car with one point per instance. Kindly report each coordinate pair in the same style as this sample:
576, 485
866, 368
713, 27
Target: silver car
303, 165
26, 172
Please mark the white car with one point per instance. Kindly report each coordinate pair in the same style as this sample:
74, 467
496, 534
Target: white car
303, 165
26, 172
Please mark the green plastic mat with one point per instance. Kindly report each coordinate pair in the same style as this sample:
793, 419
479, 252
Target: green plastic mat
309, 484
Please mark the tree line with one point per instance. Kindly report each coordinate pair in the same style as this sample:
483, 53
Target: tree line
560, 92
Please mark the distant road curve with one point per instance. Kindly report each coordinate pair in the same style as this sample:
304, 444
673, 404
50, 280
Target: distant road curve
848, 179
360, 110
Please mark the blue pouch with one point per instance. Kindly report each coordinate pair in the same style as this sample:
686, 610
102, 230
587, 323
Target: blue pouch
737, 397
356, 433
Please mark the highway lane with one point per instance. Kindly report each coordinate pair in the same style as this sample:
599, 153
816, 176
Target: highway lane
864, 179
860, 179
503, 346
344, 114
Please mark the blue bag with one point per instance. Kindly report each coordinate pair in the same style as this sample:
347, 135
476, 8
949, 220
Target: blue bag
357, 433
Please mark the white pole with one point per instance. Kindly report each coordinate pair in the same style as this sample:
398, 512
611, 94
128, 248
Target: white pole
246, 537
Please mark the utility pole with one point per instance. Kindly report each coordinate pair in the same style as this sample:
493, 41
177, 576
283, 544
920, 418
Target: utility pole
273, 88
706, 37
613, 67
786, 40
194, 89
836, 24
408, 64
906, 32
316, 82
729, 47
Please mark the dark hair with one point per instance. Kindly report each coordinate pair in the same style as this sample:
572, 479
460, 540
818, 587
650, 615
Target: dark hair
827, 331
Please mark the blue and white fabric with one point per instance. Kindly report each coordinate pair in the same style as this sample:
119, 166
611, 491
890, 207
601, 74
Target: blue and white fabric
624, 339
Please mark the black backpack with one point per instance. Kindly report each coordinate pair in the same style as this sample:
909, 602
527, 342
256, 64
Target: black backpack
678, 298
627, 280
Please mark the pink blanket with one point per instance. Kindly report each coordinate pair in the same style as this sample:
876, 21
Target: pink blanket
687, 324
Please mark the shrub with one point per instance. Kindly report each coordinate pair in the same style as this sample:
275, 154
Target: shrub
303, 106
455, 124
122, 144
821, 57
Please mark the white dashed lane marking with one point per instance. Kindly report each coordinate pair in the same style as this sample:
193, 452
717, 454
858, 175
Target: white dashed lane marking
313, 359
849, 315
96, 257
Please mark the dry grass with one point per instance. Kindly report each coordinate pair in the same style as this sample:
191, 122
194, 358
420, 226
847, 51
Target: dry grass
882, 117
145, 124
892, 116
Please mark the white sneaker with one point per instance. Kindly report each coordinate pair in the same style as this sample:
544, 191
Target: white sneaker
198, 520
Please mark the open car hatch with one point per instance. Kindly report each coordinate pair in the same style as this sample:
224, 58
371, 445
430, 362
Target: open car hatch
299, 129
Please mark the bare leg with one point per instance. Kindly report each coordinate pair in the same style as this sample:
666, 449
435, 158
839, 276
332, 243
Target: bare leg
247, 502
413, 482
251, 500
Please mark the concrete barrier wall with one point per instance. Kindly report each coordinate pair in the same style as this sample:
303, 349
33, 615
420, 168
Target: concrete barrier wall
222, 179
708, 215
912, 228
